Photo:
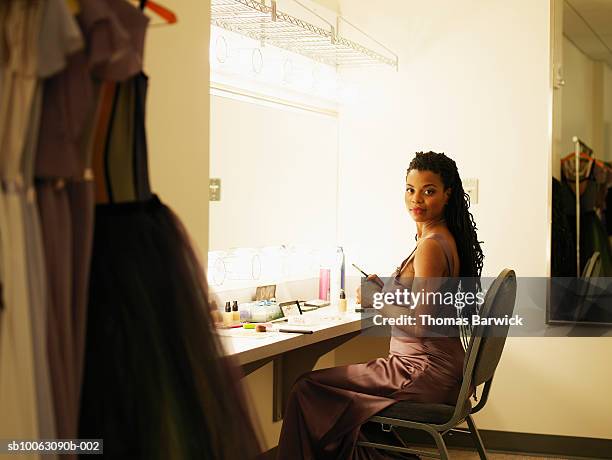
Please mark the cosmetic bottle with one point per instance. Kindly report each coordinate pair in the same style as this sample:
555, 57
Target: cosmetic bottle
336, 275
342, 302
227, 315
235, 313
245, 310
324, 274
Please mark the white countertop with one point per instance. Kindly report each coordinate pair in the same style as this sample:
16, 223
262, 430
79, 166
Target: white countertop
249, 346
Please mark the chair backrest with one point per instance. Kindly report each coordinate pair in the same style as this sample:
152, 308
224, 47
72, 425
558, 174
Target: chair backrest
487, 341
592, 269
593, 266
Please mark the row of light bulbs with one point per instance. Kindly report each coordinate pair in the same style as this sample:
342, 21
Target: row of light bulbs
245, 59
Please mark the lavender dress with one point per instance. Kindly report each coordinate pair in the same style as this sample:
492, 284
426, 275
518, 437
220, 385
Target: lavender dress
327, 407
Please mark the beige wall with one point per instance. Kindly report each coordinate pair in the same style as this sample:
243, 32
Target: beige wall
578, 97
176, 59
607, 100
557, 42
471, 86
586, 103
332, 5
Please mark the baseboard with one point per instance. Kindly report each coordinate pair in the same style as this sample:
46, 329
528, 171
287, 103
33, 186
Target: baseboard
506, 441
529, 443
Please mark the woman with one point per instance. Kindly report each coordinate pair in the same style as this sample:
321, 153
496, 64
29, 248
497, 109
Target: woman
327, 408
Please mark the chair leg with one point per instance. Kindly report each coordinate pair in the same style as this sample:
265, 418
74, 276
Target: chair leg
476, 437
440, 444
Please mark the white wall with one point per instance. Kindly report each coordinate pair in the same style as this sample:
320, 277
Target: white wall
607, 154
468, 86
474, 83
557, 44
577, 94
278, 170
176, 59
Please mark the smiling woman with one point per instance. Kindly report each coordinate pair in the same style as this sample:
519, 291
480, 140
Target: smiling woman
327, 408
425, 194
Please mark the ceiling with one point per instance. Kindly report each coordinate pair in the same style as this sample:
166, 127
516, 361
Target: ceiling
588, 24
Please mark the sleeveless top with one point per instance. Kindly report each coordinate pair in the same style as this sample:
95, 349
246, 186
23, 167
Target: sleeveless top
402, 344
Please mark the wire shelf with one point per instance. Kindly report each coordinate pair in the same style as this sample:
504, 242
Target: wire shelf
265, 23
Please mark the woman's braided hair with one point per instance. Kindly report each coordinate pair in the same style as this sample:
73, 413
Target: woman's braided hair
459, 219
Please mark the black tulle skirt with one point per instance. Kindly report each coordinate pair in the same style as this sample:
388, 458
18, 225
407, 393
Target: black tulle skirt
152, 372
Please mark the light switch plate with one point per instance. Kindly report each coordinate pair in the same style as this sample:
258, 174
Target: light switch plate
470, 186
214, 189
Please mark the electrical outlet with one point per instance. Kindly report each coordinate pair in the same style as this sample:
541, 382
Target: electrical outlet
214, 189
470, 186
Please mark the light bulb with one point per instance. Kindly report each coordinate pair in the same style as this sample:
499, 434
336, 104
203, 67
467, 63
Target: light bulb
221, 51
287, 70
257, 60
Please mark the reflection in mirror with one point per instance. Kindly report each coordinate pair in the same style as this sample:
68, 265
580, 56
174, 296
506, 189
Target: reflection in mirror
582, 168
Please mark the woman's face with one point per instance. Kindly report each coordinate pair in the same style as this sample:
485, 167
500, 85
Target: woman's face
425, 195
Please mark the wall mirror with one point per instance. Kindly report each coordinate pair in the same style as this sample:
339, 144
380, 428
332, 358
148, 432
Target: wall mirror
581, 208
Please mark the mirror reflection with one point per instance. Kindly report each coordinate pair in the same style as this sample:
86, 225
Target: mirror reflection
582, 165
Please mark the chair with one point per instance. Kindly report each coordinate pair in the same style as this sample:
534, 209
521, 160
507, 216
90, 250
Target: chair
593, 266
586, 290
482, 356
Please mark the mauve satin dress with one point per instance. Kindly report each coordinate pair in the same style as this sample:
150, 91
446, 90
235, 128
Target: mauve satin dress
110, 32
327, 407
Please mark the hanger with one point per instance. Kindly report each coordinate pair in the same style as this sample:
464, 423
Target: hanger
168, 16
585, 156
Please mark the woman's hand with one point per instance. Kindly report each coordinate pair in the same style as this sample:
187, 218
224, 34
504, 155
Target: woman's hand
372, 278
376, 280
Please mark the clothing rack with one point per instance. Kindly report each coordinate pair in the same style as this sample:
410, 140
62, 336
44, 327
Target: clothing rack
579, 146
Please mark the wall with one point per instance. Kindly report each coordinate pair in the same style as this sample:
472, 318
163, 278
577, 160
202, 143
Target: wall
578, 97
471, 86
452, 94
557, 45
607, 100
176, 59
331, 5
278, 180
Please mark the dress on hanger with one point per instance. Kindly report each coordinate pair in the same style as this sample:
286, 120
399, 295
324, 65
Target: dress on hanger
151, 367
64, 184
593, 235
327, 407
563, 251
23, 404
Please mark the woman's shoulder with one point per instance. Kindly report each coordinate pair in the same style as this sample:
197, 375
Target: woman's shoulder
437, 253
445, 239
452, 250
430, 257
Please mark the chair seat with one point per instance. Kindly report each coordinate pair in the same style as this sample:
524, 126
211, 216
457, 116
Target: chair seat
423, 412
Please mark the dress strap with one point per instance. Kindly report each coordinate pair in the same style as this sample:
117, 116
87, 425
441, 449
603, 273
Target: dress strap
445, 247
447, 251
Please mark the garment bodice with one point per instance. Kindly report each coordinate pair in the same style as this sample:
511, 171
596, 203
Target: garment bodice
445, 348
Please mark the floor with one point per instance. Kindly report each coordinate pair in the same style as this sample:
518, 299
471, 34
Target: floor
456, 454
374, 434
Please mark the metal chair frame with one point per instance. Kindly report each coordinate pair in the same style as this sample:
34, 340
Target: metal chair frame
438, 431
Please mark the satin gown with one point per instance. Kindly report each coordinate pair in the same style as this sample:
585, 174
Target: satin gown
327, 408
